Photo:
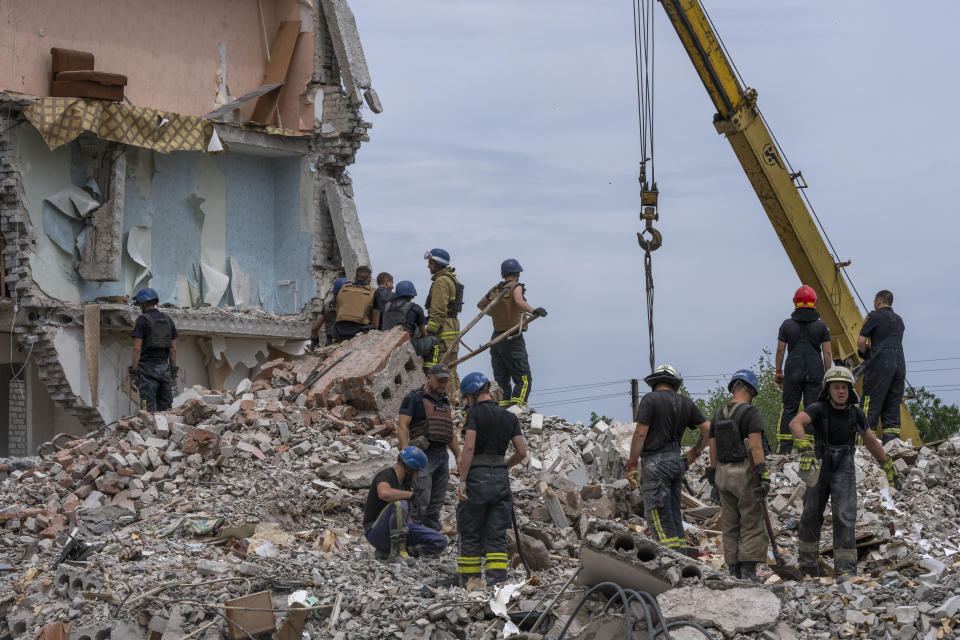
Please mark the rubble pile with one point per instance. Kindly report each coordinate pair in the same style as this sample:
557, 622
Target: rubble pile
256, 494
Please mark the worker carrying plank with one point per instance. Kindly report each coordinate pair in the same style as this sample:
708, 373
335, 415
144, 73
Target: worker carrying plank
444, 304
806, 340
735, 428
662, 417
485, 507
509, 360
885, 372
828, 470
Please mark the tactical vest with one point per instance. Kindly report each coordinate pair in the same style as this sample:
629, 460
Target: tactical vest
728, 434
506, 314
438, 427
822, 429
354, 303
329, 317
395, 315
454, 304
161, 333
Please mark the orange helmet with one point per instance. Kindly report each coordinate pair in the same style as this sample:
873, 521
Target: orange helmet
805, 297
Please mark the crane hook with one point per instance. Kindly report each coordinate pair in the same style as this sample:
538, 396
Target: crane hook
648, 202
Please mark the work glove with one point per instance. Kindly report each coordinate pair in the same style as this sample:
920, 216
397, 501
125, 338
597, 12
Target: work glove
687, 460
778, 378
134, 378
540, 311
715, 495
808, 460
892, 476
760, 492
864, 355
633, 473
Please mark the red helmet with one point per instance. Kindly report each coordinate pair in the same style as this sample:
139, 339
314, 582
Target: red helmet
805, 297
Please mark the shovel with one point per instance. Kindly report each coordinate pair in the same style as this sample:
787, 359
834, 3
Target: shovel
781, 568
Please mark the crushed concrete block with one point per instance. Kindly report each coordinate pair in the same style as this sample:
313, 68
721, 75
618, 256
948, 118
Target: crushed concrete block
212, 568
355, 475
948, 609
300, 449
733, 611
160, 425
243, 386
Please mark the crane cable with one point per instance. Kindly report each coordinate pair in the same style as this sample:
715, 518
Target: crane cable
643, 50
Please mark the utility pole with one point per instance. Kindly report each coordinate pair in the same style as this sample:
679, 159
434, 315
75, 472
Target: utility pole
635, 397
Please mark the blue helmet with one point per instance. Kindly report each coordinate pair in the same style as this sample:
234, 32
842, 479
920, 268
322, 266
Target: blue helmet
414, 458
746, 376
146, 295
339, 282
508, 266
439, 256
405, 289
472, 382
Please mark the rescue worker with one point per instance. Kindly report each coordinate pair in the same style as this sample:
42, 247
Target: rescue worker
885, 371
444, 304
403, 311
806, 339
382, 295
837, 422
426, 421
355, 312
662, 417
386, 515
736, 459
153, 367
326, 316
485, 509
509, 358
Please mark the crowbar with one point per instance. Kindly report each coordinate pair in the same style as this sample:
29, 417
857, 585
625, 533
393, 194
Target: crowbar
314, 376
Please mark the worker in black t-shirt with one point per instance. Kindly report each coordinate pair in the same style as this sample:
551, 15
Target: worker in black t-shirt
386, 516
806, 340
662, 417
739, 470
486, 504
153, 367
837, 422
885, 372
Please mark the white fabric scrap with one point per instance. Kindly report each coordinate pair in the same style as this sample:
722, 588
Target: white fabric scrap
217, 283
501, 597
138, 248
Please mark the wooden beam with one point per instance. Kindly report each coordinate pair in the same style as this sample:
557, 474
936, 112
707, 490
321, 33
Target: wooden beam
281, 55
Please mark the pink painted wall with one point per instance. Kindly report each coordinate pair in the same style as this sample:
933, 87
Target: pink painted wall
168, 49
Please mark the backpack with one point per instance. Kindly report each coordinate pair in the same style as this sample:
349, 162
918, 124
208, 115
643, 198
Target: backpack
161, 333
395, 315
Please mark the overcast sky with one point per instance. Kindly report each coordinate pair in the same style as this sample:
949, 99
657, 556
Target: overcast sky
510, 130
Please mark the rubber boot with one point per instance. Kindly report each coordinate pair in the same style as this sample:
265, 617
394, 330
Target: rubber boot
748, 571
315, 343
734, 569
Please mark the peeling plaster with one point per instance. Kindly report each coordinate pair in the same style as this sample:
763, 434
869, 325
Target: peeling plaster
212, 188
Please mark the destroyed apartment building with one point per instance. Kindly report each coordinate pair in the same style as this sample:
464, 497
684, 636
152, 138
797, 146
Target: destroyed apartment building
198, 148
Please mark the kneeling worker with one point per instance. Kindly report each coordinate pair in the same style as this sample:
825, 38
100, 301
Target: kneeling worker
733, 467
386, 516
837, 422
402, 310
662, 417
485, 508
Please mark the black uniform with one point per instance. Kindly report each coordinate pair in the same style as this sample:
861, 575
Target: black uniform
668, 414
885, 371
804, 333
483, 519
835, 436
404, 311
158, 332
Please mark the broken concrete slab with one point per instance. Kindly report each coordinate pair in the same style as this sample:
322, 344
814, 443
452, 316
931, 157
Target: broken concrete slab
346, 225
349, 51
355, 475
733, 611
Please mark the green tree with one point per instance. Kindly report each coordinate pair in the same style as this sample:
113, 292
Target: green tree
594, 419
935, 419
768, 400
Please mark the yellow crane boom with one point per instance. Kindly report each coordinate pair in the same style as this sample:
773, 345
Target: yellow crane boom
739, 120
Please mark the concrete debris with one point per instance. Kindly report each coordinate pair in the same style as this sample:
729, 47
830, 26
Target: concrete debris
265, 499
732, 611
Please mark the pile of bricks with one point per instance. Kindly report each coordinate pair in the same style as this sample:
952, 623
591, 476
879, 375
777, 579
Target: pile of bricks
130, 464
